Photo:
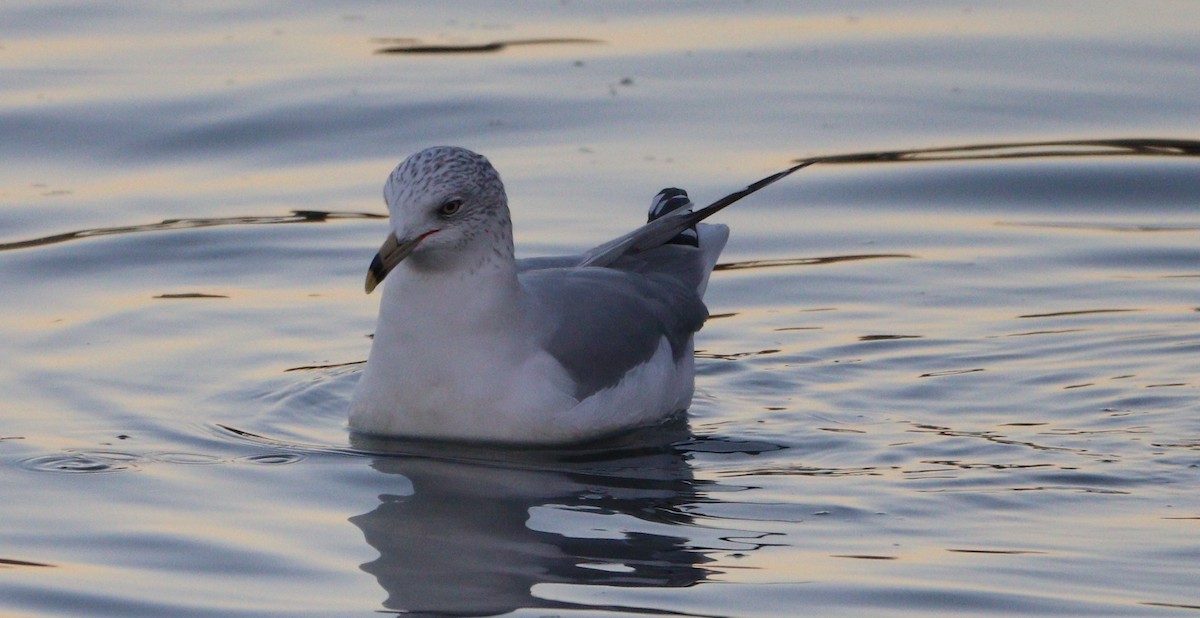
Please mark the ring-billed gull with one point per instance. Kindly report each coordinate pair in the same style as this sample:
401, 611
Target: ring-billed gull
473, 344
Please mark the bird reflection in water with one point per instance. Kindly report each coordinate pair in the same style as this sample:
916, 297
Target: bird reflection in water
474, 531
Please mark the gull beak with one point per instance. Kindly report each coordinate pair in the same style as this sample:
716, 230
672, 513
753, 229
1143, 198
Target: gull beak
390, 254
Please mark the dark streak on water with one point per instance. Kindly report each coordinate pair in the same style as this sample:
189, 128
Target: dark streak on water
296, 216
1144, 147
414, 47
9, 562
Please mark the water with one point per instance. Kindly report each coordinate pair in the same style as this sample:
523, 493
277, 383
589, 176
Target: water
962, 387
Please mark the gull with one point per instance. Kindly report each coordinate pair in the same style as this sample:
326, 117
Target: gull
475, 345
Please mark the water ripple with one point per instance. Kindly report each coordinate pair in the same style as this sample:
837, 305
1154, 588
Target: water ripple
78, 463
99, 462
272, 459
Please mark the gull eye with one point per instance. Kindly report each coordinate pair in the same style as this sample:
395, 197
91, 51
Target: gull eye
450, 208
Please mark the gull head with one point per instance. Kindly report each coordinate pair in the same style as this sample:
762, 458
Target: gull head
448, 211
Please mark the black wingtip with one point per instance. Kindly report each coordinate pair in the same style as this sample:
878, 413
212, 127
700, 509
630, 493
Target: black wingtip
669, 200
712, 208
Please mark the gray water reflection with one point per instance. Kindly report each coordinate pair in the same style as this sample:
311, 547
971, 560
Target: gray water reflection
475, 533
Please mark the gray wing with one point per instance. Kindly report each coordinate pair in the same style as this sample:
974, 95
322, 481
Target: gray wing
601, 322
604, 312
538, 263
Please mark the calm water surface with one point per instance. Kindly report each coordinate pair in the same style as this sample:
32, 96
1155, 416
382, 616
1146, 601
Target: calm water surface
947, 387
